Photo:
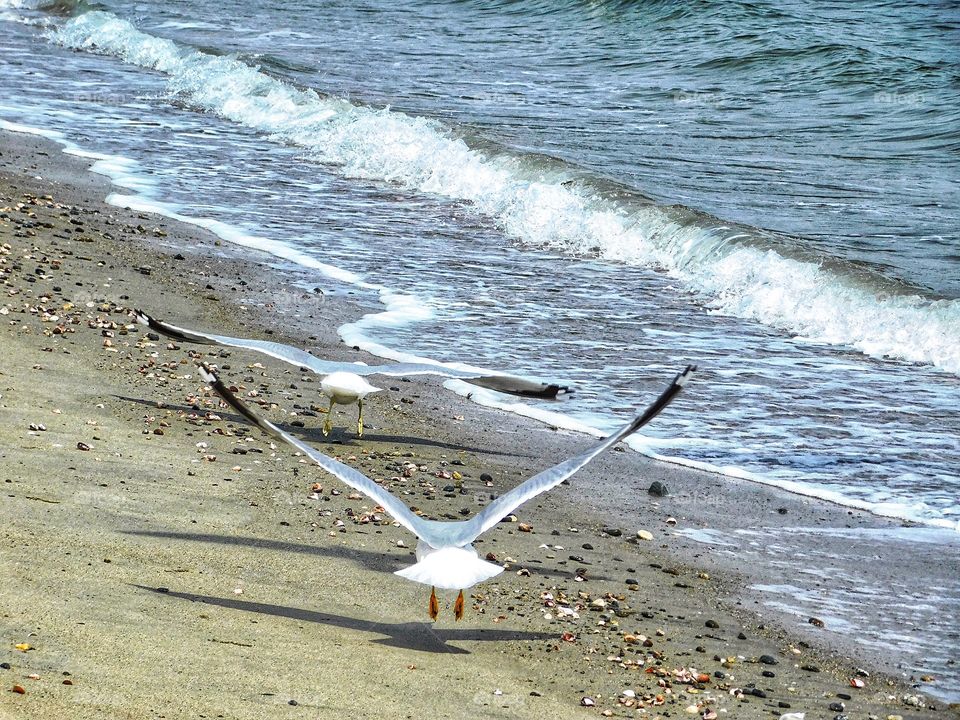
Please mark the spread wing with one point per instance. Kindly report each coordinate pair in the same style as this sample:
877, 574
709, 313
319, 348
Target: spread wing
355, 479
508, 384
548, 479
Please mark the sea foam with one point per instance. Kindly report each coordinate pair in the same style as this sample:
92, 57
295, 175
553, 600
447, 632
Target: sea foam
536, 206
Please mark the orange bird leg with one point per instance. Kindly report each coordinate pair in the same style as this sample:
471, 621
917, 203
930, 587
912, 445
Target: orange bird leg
434, 605
458, 606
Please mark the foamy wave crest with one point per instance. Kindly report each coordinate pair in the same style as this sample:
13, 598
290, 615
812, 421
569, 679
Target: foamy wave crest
536, 207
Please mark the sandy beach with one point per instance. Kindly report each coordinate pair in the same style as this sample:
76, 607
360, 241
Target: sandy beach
162, 559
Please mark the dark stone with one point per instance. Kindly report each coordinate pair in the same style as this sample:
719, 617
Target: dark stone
768, 673
587, 546
613, 532
719, 674
153, 337
768, 660
741, 636
486, 477
757, 692
713, 624
843, 696
658, 489
783, 704
292, 702
836, 707
5, 666
810, 668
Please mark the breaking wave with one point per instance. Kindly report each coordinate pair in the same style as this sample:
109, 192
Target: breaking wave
735, 271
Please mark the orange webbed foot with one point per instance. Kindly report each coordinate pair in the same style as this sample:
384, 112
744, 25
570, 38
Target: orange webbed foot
434, 608
458, 606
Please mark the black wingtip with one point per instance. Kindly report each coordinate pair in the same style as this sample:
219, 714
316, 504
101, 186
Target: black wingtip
666, 397
521, 387
208, 375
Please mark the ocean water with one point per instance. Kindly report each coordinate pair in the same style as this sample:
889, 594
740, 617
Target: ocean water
594, 192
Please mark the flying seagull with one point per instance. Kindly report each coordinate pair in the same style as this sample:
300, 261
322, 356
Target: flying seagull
343, 382
445, 554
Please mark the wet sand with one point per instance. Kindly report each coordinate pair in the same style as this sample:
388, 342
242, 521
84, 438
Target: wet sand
161, 558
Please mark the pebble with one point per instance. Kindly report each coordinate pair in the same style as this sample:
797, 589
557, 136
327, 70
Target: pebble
768, 673
712, 624
5, 665
836, 707
768, 660
658, 489
644, 534
587, 702
613, 532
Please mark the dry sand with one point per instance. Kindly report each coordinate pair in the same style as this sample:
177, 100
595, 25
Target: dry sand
160, 559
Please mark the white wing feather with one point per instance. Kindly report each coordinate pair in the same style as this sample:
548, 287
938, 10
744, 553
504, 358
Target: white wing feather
456, 533
355, 479
548, 479
300, 358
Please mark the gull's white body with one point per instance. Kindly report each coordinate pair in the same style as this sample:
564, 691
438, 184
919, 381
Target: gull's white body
346, 388
449, 568
445, 554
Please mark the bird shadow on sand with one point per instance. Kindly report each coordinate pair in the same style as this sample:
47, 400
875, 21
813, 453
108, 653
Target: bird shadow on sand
315, 436
369, 559
425, 637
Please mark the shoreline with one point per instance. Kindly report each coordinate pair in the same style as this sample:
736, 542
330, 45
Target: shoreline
243, 544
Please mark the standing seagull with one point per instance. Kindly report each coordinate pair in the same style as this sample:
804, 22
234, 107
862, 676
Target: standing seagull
446, 558
343, 383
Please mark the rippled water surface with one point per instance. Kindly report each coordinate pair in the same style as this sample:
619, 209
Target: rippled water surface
597, 192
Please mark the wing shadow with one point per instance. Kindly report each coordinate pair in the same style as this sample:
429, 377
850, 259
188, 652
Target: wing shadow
372, 560
314, 435
423, 637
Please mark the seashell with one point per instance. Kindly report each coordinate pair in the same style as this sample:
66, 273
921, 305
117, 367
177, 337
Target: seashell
587, 702
644, 534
